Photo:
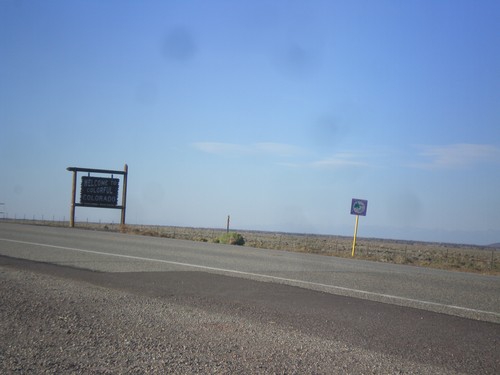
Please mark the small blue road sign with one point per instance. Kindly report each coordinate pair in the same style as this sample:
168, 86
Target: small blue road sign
359, 206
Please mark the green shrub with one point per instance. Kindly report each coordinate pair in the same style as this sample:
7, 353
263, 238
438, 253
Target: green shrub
231, 238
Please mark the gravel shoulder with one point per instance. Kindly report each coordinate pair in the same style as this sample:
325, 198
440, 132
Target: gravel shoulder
55, 324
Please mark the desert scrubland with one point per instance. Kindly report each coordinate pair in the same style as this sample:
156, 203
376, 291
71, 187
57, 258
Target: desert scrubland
459, 257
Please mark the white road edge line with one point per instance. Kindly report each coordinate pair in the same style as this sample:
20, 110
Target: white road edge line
378, 296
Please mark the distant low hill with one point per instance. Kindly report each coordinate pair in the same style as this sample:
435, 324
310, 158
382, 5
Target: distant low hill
497, 245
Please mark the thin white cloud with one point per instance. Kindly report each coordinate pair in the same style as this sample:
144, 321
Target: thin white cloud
340, 160
456, 156
221, 148
263, 148
279, 149
286, 151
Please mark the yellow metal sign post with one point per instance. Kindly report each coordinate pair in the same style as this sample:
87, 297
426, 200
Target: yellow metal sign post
355, 234
358, 207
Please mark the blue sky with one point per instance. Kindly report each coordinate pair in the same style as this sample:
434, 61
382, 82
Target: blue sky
277, 113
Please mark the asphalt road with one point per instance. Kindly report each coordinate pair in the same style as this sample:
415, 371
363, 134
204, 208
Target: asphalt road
443, 319
454, 293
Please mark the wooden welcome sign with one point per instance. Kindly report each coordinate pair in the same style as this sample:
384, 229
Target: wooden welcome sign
101, 192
